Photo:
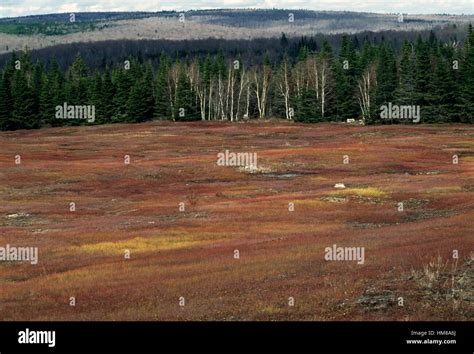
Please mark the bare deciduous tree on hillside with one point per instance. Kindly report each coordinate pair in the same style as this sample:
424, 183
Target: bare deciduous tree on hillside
283, 84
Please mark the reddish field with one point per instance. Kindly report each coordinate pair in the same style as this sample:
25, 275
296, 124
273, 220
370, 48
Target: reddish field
190, 253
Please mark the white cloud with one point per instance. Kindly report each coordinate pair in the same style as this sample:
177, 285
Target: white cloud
69, 8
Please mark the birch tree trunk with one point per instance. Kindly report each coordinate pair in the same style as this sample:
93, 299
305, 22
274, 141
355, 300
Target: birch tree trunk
284, 86
243, 84
366, 84
211, 85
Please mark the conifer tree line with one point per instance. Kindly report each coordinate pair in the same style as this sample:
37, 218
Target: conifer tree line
317, 86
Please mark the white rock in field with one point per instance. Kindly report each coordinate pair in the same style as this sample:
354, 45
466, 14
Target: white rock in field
254, 169
18, 215
251, 169
339, 186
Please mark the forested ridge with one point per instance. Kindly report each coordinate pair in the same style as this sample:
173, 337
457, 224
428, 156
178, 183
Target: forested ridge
315, 85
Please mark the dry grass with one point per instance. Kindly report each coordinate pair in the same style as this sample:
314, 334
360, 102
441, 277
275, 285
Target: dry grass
447, 284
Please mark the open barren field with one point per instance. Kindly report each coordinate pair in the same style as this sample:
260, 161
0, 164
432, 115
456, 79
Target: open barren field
172, 235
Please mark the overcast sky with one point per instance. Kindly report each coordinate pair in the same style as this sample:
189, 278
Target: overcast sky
29, 7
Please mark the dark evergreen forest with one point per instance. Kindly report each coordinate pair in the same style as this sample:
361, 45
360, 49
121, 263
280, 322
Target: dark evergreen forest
313, 79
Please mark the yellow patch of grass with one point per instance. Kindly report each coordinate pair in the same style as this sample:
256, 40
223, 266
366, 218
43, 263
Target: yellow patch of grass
310, 203
444, 189
463, 143
268, 310
139, 244
284, 229
369, 192
467, 158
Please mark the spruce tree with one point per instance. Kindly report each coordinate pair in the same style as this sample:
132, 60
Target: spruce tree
123, 84
345, 71
386, 73
307, 111
6, 103
107, 98
405, 92
162, 96
77, 88
46, 103
141, 103
24, 115
422, 78
445, 89
186, 108
467, 96
96, 100
58, 94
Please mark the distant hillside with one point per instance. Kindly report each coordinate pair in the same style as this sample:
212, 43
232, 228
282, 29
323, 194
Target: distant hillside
46, 30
